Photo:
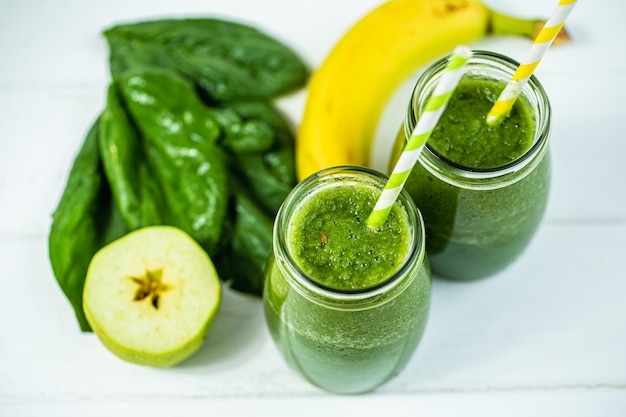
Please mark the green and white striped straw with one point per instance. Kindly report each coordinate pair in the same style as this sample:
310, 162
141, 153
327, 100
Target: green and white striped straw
546, 36
427, 121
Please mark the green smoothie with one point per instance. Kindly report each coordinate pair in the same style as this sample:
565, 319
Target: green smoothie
463, 135
482, 189
346, 304
331, 242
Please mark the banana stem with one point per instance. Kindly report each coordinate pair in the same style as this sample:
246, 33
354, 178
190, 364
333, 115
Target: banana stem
503, 24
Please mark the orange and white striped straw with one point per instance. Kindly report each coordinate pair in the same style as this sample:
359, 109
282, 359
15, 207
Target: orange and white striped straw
435, 105
504, 104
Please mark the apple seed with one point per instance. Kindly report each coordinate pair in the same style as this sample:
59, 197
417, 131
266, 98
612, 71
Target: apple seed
150, 286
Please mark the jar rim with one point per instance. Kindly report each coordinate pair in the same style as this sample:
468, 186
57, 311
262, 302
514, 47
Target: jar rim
311, 288
533, 91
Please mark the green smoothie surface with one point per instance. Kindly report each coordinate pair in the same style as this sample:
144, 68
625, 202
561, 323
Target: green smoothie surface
462, 135
331, 242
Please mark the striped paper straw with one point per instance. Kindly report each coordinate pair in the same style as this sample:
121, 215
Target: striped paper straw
427, 121
503, 105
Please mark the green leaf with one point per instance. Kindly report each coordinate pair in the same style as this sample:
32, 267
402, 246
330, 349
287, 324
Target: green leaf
84, 221
179, 136
270, 174
135, 190
227, 60
267, 189
243, 136
242, 263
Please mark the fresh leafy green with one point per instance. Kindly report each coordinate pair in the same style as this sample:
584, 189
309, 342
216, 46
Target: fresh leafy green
187, 138
243, 262
243, 137
271, 174
136, 192
228, 60
180, 140
85, 220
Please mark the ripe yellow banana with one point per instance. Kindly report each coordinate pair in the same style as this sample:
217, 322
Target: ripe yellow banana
348, 92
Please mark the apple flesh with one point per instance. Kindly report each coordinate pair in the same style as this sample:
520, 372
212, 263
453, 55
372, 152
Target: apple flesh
151, 296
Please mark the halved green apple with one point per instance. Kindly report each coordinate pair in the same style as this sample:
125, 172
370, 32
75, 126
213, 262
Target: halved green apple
152, 295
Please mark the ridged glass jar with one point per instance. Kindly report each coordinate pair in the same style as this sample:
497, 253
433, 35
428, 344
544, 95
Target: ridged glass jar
345, 340
479, 220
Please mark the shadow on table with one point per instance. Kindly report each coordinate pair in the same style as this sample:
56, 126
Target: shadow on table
236, 334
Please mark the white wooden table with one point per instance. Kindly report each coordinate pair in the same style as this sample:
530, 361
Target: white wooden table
546, 337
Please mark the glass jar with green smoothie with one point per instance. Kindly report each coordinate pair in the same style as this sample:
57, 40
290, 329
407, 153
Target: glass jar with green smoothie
482, 189
345, 303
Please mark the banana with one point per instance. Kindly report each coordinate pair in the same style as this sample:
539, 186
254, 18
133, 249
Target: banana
348, 92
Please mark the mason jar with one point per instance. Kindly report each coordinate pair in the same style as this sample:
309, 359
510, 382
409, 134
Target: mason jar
479, 220
345, 340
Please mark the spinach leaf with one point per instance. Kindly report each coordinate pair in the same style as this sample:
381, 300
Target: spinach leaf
227, 60
179, 136
269, 173
135, 189
187, 138
243, 136
279, 161
84, 221
267, 190
242, 263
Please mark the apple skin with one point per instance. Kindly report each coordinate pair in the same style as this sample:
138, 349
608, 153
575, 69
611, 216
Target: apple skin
136, 328
159, 360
